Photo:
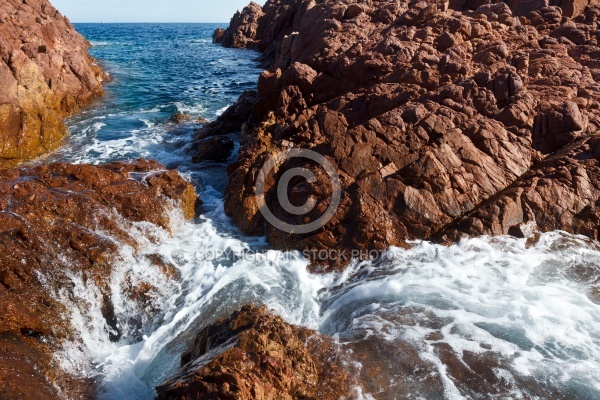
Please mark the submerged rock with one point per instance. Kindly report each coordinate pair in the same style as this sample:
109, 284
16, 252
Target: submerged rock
255, 355
59, 221
46, 73
428, 112
179, 118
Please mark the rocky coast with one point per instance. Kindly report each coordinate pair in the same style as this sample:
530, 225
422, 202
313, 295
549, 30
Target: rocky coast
444, 120
46, 74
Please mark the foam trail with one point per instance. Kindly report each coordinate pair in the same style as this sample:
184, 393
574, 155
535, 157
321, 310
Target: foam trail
482, 296
517, 320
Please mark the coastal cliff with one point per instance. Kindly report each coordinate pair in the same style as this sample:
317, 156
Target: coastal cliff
46, 74
61, 226
443, 120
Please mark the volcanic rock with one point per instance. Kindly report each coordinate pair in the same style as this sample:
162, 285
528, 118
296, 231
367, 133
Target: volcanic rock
46, 74
59, 221
426, 110
255, 355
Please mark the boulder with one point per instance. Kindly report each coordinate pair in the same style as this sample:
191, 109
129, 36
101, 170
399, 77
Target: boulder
256, 355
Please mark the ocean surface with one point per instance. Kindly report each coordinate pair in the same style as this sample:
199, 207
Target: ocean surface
486, 318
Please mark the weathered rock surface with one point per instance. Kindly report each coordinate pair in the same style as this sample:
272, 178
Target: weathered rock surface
46, 73
60, 220
562, 191
428, 113
255, 355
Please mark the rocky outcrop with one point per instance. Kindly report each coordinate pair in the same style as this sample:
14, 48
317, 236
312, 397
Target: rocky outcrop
61, 220
46, 73
428, 111
255, 355
211, 144
242, 32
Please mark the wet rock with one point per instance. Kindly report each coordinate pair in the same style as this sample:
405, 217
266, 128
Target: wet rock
426, 113
46, 74
256, 355
179, 118
58, 221
216, 148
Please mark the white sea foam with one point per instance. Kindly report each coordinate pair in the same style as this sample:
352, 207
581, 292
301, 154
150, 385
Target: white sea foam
527, 305
193, 109
530, 309
97, 43
220, 111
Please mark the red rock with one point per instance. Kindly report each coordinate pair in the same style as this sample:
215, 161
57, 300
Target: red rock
560, 193
425, 111
55, 220
255, 355
245, 24
46, 73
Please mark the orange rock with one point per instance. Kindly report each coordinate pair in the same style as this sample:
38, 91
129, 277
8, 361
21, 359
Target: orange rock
256, 355
54, 221
46, 73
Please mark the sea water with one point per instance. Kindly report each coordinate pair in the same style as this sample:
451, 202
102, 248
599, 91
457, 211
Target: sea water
485, 318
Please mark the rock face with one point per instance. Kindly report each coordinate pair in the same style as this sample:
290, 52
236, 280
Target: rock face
255, 355
433, 114
562, 191
58, 220
46, 73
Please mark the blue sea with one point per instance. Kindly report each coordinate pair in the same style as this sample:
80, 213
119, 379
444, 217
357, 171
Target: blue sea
530, 312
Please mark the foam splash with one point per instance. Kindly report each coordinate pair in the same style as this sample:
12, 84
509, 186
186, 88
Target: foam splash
513, 320
528, 309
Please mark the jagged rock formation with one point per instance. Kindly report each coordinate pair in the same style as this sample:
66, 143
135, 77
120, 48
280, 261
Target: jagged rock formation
255, 355
58, 221
46, 73
442, 119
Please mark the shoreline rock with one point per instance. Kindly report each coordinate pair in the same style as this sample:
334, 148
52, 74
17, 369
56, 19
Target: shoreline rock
46, 74
58, 221
428, 112
256, 355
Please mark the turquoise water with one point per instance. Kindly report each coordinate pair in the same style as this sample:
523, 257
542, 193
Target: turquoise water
156, 70
529, 310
